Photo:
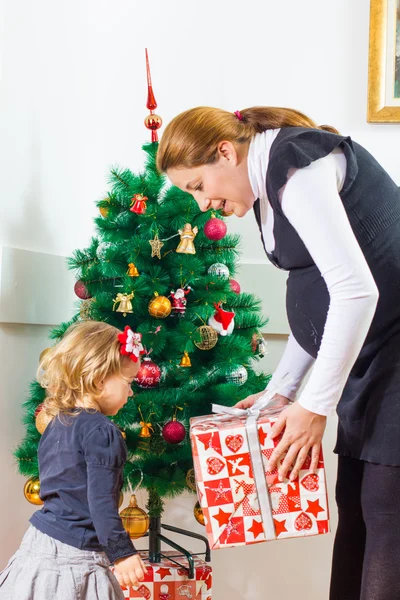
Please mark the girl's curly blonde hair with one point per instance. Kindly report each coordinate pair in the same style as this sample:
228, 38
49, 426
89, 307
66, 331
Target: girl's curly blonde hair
73, 369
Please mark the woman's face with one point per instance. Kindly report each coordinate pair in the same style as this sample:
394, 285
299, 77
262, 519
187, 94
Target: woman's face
224, 184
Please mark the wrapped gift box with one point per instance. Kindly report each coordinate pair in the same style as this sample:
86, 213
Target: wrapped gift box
228, 493
167, 581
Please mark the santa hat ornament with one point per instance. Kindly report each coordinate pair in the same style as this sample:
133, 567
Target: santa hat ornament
222, 321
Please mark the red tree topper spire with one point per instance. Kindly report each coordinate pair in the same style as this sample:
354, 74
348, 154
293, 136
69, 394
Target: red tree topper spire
152, 121
151, 101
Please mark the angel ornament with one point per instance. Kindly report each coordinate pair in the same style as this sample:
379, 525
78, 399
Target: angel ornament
186, 245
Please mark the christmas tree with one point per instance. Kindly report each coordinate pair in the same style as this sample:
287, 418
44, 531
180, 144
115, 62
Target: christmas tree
165, 269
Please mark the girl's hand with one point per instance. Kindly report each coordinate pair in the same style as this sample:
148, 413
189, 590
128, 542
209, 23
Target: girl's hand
130, 570
250, 400
303, 432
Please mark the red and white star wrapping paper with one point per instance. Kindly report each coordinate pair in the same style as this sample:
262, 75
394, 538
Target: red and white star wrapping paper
167, 581
227, 490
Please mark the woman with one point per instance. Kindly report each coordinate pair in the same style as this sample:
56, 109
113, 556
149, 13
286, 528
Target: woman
330, 215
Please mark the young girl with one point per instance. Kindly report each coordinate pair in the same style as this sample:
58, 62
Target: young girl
67, 551
329, 214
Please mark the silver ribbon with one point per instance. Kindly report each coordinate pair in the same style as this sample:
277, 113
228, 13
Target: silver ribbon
252, 414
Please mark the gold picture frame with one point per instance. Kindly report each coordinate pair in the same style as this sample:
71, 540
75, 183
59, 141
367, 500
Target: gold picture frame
384, 62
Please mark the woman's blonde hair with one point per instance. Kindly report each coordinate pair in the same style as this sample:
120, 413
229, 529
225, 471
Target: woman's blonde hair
191, 139
72, 370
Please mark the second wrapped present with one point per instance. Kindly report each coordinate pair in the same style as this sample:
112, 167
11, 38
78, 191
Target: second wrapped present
242, 501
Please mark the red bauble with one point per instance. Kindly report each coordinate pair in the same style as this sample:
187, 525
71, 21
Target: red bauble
215, 229
174, 432
235, 286
149, 374
81, 290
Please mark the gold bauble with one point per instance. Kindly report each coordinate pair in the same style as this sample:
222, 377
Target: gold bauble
135, 520
42, 420
160, 307
153, 122
121, 499
32, 490
191, 480
209, 338
43, 353
198, 513
104, 211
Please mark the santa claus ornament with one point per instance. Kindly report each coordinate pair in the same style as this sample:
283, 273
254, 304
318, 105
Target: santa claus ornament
222, 321
179, 301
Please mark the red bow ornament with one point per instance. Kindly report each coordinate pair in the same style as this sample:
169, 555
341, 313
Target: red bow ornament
131, 344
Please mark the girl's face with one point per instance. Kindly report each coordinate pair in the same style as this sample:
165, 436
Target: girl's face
117, 388
224, 184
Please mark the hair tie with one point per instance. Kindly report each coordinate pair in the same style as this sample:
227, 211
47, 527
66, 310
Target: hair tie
238, 114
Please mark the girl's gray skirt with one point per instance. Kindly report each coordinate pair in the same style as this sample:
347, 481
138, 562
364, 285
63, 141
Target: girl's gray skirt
45, 569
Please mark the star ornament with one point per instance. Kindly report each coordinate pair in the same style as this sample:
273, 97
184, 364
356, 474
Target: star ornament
156, 246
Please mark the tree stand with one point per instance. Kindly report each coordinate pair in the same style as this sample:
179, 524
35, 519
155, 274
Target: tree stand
156, 537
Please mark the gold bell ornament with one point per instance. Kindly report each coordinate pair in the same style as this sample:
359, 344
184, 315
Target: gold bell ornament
32, 491
132, 271
160, 306
125, 304
134, 519
147, 427
185, 361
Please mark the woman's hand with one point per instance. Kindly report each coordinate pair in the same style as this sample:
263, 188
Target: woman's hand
303, 432
130, 570
250, 400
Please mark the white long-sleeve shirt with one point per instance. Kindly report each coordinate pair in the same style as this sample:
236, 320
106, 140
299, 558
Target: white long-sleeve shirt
310, 200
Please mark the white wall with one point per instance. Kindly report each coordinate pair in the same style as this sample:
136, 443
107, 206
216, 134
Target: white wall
72, 103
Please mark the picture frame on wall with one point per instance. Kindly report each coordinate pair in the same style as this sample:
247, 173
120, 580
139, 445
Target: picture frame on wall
384, 62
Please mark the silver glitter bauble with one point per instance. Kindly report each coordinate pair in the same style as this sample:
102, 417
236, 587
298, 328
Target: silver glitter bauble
237, 376
219, 270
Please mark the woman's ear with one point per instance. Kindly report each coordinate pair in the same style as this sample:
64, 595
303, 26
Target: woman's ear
227, 151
